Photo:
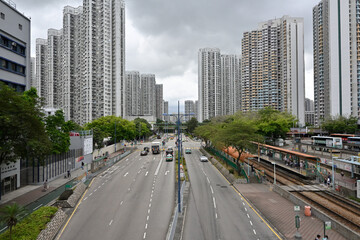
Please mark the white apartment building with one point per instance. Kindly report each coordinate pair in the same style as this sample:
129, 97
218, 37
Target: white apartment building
132, 93
15, 70
189, 109
71, 54
53, 57
336, 54
166, 111
196, 109
41, 68
85, 64
230, 80
159, 105
32, 71
209, 83
148, 99
272, 67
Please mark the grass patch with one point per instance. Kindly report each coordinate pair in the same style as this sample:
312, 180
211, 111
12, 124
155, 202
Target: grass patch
355, 199
31, 226
183, 162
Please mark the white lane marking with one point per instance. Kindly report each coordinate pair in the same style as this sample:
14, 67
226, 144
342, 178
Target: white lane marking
245, 209
149, 205
126, 174
85, 198
121, 202
154, 158
128, 189
214, 202
212, 191
248, 215
127, 159
147, 218
167, 172
254, 231
148, 211
90, 194
139, 171
208, 180
146, 173
95, 190
144, 235
110, 222
150, 199
215, 215
251, 223
151, 194
103, 184
243, 203
158, 168
146, 226
37, 207
99, 186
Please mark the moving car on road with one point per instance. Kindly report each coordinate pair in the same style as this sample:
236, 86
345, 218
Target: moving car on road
146, 149
203, 158
143, 153
188, 150
169, 157
169, 151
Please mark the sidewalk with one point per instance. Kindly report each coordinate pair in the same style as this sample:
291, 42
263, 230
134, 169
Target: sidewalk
31, 193
280, 213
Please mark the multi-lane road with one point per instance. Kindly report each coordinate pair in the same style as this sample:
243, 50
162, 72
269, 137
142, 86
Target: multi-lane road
135, 198
215, 210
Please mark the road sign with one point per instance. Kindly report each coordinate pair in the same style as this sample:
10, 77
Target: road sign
328, 225
297, 208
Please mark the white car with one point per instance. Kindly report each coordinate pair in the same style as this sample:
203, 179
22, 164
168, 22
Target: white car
203, 159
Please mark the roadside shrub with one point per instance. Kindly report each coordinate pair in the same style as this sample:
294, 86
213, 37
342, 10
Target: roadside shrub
66, 194
31, 226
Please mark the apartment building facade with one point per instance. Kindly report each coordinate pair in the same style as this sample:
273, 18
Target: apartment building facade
189, 109
336, 59
159, 105
272, 67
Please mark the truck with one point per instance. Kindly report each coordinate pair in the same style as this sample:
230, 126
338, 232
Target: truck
155, 147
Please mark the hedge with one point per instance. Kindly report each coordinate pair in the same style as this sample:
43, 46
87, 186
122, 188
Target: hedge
30, 227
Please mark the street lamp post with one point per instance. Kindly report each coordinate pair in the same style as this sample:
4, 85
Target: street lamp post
115, 135
274, 172
333, 173
179, 148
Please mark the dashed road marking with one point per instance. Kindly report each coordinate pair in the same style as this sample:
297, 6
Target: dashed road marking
110, 222
146, 225
121, 202
144, 235
254, 231
245, 209
90, 194
85, 198
148, 211
214, 202
251, 223
208, 179
212, 191
146, 173
126, 174
248, 215
147, 218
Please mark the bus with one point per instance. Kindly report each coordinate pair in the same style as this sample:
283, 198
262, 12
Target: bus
325, 142
343, 136
155, 147
353, 143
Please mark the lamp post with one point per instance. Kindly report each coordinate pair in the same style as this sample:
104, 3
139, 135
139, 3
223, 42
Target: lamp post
274, 172
178, 116
333, 173
115, 135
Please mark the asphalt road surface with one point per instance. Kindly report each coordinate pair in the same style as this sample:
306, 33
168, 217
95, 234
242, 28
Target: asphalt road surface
215, 209
134, 199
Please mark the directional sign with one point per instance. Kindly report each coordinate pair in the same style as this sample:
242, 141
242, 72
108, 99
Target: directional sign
297, 208
328, 225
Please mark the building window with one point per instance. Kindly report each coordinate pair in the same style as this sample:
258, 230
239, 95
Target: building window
2, 15
20, 26
11, 66
12, 45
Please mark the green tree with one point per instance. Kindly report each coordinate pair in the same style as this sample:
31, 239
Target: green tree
58, 132
191, 125
143, 128
340, 124
10, 215
273, 123
22, 132
238, 133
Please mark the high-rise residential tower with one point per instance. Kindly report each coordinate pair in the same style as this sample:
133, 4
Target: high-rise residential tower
132, 93
209, 83
41, 68
189, 109
272, 67
159, 106
230, 80
14, 47
166, 111
148, 99
336, 53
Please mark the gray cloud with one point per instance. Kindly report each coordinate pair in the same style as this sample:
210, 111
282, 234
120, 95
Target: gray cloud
163, 37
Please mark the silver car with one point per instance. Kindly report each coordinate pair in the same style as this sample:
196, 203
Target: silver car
203, 159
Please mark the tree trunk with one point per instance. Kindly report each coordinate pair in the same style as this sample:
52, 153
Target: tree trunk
10, 231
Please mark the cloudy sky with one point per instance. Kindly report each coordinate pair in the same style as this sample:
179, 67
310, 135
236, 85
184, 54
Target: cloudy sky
164, 36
